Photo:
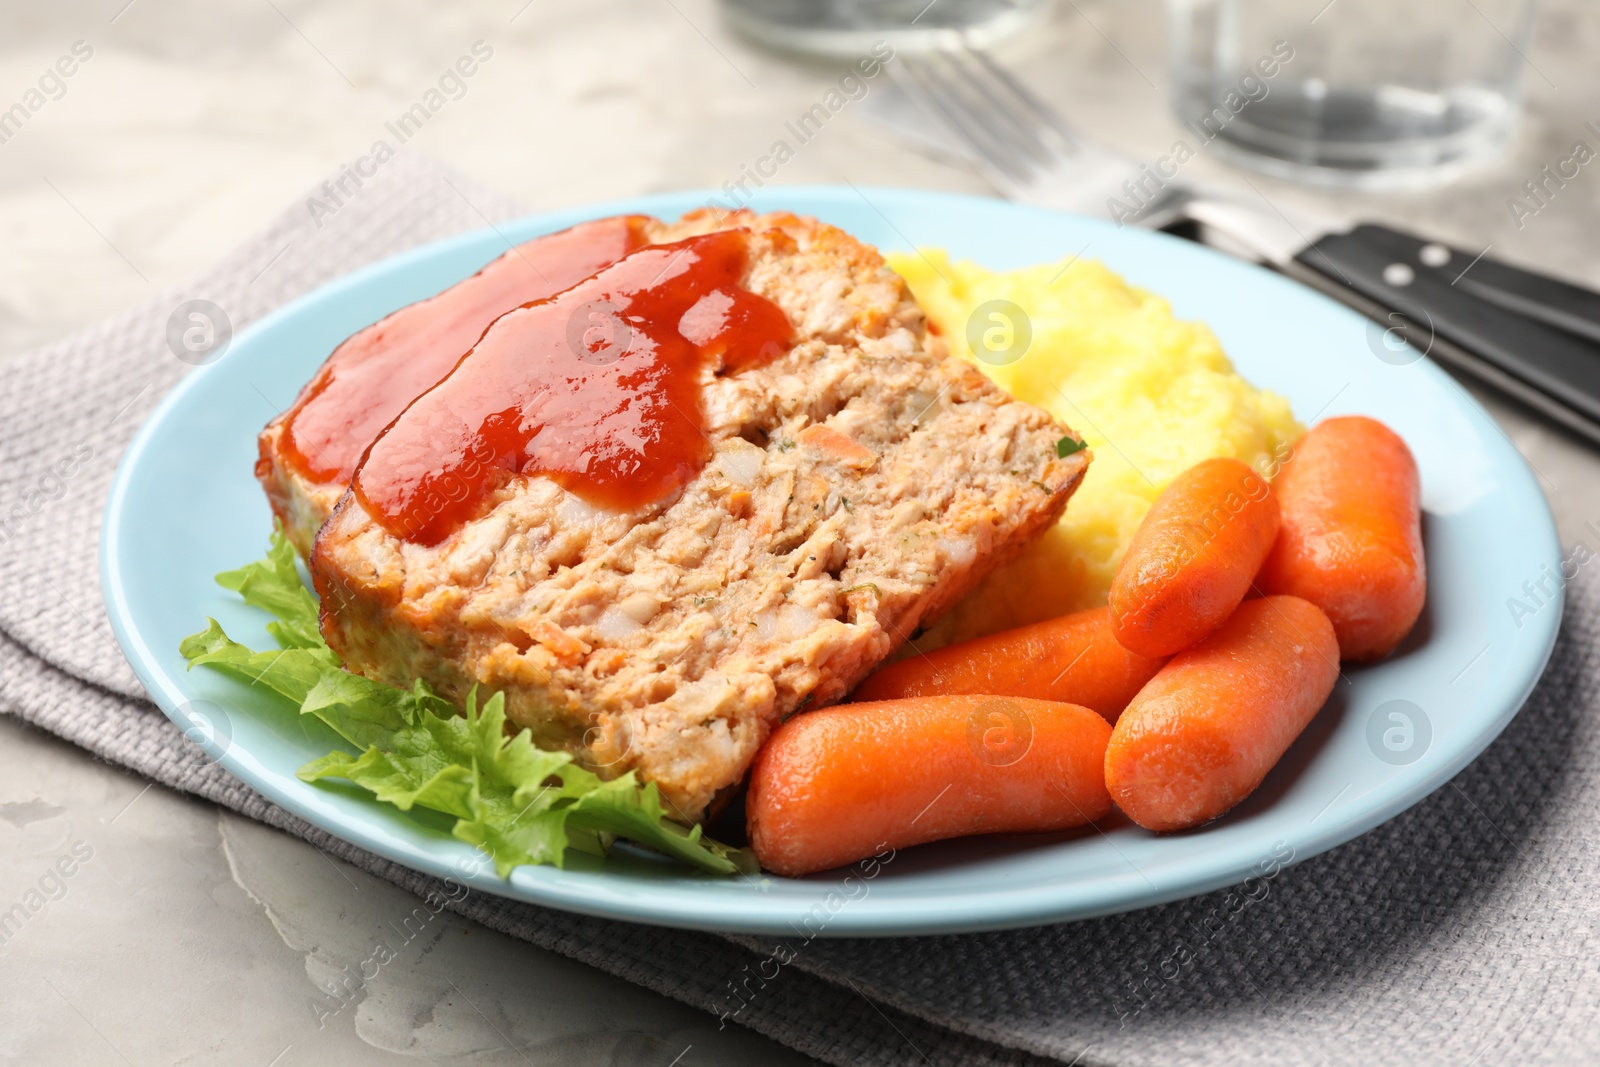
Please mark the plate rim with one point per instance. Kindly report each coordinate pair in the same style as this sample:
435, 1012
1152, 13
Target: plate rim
934, 914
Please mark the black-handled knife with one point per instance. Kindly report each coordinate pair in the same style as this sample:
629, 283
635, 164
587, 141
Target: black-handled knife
1532, 336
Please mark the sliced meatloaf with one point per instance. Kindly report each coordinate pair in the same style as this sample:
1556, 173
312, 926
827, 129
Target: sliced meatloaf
858, 485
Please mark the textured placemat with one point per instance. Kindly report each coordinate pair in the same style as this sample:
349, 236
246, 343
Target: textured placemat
1459, 932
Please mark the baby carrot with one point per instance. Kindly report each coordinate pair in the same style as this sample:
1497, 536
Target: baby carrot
1191, 561
1073, 659
1200, 737
1351, 541
842, 783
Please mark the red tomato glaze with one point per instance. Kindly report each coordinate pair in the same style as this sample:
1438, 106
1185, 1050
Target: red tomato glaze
597, 388
372, 376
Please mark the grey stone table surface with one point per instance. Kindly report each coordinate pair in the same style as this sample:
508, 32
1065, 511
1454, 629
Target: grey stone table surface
189, 935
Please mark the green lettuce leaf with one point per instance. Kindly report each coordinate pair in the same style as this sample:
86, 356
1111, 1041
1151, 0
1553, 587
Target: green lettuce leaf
518, 803
273, 584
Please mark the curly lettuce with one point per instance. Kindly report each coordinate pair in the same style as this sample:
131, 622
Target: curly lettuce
518, 803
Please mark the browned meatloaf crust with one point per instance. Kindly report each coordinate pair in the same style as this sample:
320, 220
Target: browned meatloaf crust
860, 485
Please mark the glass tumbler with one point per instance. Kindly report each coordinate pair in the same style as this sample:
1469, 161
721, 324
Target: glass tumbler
1351, 92
850, 28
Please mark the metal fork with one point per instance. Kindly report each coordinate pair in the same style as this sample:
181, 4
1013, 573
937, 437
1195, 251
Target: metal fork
1020, 143
1030, 154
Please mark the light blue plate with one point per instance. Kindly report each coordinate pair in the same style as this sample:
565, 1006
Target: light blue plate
185, 506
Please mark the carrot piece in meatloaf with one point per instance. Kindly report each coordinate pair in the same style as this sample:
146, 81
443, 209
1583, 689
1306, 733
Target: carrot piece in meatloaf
852, 486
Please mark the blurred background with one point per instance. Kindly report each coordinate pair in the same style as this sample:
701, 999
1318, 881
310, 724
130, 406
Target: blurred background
194, 122
186, 125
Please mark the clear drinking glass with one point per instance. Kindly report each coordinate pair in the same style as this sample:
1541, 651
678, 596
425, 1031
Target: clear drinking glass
849, 28
1351, 92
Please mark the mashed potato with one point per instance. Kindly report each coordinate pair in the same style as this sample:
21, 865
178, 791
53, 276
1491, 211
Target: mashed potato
1151, 395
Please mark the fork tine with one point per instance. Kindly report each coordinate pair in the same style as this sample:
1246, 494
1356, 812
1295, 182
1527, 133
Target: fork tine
936, 95
1044, 112
1019, 142
1004, 105
977, 99
935, 92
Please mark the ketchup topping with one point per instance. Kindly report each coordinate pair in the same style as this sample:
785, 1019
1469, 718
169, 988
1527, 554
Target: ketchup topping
372, 376
597, 388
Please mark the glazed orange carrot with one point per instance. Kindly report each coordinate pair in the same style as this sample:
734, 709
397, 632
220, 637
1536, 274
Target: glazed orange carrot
1191, 561
850, 781
1351, 541
1073, 659
1210, 725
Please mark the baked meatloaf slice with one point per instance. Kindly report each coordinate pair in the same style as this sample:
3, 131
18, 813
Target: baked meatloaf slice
309, 452
853, 486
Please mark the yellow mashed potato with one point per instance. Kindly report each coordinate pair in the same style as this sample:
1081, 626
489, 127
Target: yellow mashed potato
1150, 394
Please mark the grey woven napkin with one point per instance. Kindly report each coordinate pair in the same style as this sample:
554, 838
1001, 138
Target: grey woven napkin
1460, 932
